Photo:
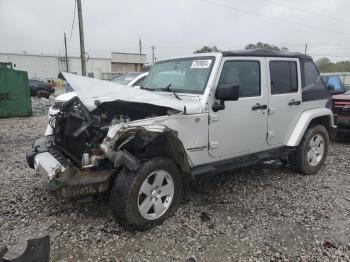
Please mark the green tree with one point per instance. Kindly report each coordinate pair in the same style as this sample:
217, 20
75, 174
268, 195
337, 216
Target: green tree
266, 46
207, 49
324, 65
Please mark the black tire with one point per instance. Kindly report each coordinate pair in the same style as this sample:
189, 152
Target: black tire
125, 193
298, 160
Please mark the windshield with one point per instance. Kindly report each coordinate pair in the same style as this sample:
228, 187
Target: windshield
126, 78
186, 75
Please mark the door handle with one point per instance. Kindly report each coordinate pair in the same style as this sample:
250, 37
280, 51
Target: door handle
259, 107
294, 103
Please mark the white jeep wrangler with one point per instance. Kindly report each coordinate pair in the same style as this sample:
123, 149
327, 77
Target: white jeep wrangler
194, 116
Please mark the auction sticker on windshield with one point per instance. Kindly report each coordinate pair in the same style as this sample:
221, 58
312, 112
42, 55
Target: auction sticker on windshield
197, 64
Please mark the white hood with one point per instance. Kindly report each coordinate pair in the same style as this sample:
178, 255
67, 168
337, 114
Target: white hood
89, 90
65, 96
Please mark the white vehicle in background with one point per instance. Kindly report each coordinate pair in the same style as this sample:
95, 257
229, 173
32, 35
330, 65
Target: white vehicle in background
134, 79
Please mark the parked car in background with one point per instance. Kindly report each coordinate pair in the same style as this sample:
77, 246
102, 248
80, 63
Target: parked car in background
334, 84
135, 79
341, 111
40, 88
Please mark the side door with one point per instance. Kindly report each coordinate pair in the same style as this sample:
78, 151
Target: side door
241, 127
284, 99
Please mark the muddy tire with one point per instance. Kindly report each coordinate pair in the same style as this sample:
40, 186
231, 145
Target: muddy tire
143, 199
311, 152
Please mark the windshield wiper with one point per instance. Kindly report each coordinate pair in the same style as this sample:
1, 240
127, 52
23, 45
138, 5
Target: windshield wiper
168, 89
146, 88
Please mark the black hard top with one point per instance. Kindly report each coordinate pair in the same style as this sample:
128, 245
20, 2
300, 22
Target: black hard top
265, 53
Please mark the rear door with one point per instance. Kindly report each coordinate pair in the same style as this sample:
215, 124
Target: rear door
284, 99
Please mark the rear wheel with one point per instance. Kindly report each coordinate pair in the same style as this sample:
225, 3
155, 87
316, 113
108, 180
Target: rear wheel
311, 152
142, 199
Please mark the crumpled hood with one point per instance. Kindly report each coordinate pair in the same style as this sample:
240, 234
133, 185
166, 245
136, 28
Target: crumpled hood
65, 96
89, 90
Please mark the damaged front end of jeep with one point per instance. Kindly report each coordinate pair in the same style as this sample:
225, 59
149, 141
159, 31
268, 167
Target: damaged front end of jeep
87, 148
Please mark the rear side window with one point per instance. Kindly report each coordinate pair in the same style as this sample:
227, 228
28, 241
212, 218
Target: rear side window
284, 77
244, 73
313, 85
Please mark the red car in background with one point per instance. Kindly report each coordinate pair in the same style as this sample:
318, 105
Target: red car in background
341, 110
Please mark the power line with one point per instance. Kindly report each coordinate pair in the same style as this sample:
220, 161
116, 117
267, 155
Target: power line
71, 30
305, 11
271, 17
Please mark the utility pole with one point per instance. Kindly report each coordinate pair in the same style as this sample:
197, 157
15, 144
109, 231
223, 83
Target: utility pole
140, 45
305, 48
153, 57
81, 34
65, 48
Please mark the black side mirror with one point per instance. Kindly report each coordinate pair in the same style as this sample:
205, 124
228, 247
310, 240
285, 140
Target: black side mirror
225, 92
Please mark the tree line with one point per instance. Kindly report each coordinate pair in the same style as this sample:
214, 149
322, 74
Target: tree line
323, 64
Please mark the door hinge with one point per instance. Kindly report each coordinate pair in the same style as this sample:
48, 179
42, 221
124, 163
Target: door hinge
213, 118
270, 134
213, 145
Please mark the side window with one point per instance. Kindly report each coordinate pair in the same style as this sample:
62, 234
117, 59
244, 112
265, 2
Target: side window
139, 82
244, 73
284, 77
313, 85
312, 79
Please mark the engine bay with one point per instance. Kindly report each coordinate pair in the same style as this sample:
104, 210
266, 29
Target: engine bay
78, 132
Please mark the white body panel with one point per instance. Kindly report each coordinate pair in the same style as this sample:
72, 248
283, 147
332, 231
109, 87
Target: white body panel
68, 96
304, 121
89, 90
282, 116
192, 131
239, 130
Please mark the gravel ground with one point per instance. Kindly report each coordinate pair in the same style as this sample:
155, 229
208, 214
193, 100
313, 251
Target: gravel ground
262, 213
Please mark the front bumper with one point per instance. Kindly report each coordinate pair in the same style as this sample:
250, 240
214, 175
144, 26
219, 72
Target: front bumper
62, 176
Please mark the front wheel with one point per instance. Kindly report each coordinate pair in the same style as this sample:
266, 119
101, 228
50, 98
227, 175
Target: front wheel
142, 199
311, 152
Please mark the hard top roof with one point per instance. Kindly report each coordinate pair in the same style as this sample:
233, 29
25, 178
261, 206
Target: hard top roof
265, 53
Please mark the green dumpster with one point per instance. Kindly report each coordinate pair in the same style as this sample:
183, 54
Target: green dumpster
14, 92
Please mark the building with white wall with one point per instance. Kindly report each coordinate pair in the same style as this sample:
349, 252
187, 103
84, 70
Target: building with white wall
47, 67
127, 62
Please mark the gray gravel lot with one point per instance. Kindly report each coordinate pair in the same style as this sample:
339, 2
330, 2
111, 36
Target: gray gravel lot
264, 213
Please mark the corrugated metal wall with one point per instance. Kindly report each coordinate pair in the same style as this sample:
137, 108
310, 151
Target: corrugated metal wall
14, 93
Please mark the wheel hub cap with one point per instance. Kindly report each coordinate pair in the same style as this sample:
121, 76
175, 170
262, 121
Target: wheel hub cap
315, 150
155, 195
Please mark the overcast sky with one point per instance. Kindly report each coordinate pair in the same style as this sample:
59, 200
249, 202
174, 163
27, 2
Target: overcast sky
176, 27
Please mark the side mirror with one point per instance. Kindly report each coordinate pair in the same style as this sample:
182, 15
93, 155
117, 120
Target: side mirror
225, 92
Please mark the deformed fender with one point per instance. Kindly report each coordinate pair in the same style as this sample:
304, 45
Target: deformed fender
132, 142
305, 120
